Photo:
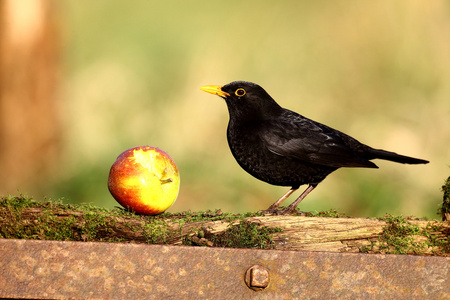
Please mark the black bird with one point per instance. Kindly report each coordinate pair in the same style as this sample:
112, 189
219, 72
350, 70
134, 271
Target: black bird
281, 147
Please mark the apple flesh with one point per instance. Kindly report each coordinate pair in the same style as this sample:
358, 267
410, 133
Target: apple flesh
145, 180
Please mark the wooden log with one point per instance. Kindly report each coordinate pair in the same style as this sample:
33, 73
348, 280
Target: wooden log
388, 235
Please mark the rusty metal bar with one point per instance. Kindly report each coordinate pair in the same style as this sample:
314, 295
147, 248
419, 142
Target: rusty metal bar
49, 270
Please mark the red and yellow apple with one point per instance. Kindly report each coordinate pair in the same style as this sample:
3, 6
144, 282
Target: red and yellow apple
145, 180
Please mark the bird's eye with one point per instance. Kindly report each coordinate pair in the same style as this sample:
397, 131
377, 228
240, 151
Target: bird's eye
240, 92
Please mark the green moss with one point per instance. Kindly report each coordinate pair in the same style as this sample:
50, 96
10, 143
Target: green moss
45, 226
244, 234
24, 218
209, 215
444, 210
437, 241
397, 237
331, 213
401, 237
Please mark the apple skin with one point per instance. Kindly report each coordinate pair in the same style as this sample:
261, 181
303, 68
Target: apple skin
145, 180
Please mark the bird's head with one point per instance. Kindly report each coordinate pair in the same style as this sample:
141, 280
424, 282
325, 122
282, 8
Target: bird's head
245, 100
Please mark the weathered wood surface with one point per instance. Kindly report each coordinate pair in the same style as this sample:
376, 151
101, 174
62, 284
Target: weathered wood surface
324, 234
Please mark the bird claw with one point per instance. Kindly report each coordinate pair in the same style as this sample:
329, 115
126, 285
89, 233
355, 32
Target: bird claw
269, 211
272, 210
286, 211
289, 211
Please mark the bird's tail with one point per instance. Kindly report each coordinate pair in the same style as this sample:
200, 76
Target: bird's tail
387, 155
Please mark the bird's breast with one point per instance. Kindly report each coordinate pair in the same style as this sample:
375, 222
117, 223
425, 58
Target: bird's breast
254, 157
247, 147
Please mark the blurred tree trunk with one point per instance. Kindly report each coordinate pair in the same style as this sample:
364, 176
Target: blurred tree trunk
29, 61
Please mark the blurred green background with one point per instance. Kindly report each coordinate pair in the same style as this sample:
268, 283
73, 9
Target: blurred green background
378, 71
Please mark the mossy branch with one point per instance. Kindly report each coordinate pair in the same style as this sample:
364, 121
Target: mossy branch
24, 218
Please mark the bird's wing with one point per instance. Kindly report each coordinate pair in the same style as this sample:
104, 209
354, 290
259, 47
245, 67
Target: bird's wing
297, 137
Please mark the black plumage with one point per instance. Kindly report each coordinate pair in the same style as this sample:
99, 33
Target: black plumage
281, 147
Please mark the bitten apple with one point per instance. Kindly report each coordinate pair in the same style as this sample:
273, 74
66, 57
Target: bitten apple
145, 180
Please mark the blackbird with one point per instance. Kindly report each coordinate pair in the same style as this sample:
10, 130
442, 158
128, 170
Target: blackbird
284, 148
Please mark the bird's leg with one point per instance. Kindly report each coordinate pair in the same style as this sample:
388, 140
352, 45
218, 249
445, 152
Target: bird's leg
274, 206
291, 208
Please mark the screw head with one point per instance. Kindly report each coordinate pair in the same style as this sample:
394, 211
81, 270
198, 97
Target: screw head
257, 277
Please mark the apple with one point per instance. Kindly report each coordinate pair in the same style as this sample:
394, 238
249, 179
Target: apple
145, 180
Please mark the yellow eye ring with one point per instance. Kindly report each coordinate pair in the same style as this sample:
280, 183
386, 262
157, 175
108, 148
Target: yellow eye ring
240, 92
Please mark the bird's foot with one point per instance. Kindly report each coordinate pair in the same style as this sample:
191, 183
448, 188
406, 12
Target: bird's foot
268, 211
292, 211
272, 210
